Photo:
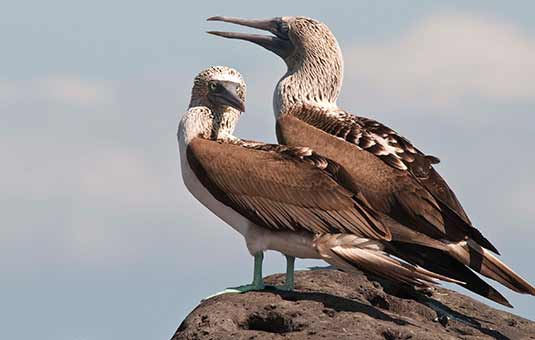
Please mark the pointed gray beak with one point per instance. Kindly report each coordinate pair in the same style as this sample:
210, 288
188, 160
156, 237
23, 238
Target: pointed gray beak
279, 44
227, 94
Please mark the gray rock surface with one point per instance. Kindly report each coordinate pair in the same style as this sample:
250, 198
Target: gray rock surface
329, 304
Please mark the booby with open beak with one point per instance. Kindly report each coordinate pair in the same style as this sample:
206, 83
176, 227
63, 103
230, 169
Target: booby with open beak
282, 198
429, 226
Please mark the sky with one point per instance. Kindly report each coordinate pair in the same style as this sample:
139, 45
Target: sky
99, 238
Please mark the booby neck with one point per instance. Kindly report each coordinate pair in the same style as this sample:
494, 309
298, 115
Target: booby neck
314, 77
208, 123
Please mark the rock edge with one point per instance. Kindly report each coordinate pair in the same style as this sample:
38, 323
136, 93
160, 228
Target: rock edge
330, 304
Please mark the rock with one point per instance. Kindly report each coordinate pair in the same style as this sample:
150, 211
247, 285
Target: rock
330, 304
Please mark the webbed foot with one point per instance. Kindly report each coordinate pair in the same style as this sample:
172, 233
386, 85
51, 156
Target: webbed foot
239, 289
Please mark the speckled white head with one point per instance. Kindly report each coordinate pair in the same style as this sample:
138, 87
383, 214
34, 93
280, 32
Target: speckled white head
221, 73
217, 99
205, 82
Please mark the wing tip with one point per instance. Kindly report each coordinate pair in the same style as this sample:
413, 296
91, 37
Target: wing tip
495, 296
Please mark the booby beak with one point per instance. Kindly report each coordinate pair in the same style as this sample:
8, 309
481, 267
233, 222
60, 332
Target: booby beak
279, 44
227, 94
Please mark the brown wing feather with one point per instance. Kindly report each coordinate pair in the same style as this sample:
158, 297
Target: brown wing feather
369, 135
440, 189
421, 203
281, 188
385, 143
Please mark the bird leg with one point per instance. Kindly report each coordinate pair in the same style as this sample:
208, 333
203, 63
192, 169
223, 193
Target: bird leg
258, 280
289, 284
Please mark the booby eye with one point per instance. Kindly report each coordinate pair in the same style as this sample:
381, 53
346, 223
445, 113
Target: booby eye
212, 87
283, 27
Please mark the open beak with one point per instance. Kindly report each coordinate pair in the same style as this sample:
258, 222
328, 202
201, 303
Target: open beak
277, 43
228, 96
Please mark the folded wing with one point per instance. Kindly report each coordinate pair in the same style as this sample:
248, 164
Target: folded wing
282, 188
412, 190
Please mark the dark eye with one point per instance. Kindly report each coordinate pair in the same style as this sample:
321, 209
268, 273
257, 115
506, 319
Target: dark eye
212, 87
283, 27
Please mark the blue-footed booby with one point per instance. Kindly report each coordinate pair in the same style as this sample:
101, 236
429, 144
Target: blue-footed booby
429, 227
282, 198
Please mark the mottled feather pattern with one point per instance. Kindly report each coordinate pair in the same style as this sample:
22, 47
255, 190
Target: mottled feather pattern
369, 135
302, 153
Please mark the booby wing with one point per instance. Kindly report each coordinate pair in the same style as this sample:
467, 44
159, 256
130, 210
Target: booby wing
420, 219
282, 188
285, 188
398, 152
417, 194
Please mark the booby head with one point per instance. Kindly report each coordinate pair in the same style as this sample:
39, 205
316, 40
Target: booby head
219, 88
309, 49
217, 100
303, 36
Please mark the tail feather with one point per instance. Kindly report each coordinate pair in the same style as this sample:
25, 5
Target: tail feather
485, 263
350, 252
431, 251
442, 263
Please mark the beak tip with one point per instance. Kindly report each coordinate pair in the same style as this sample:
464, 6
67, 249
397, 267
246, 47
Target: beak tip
218, 18
217, 33
240, 106
281, 47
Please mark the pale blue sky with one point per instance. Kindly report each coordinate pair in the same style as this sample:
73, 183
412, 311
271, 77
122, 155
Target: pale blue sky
99, 239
